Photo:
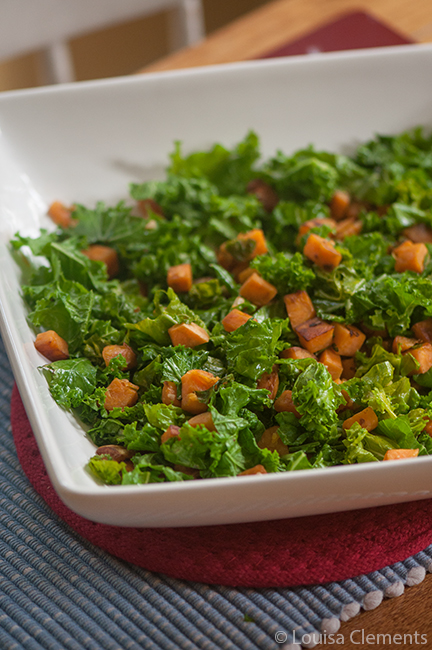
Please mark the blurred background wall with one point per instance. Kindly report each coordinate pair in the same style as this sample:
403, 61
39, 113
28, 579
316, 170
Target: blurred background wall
122, 49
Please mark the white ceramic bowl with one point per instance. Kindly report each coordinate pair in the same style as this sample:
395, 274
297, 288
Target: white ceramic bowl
85, 142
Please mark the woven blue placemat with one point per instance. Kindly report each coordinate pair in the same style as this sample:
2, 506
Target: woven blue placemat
59, 592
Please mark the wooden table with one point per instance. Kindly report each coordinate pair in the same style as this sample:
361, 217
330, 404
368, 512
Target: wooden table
266, 29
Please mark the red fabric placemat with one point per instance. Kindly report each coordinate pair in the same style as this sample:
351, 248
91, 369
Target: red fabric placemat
283, 553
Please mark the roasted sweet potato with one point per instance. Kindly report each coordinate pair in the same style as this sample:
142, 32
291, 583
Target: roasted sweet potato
366, 418
257, 235
322, 252
61, 215
147, 207
120, 393
355, 208
193, 382
244, 274
419, 233
332, 361
410, 257
402, 344
264, 193
270, 440
179, 277
270, 381
339, 204
285, 403
104, 254
224, 258
348, 339
400, 454
423, 355
188, 334
299, 308
348, 368
117, 452
172, 432
52, 346
347, 228
234, 319
111, 351
423, 330
204, 419
315, 223
258, 469
257, 290
315, 334
169, 393
295, 352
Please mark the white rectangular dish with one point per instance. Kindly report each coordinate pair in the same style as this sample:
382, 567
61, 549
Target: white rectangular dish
85, 142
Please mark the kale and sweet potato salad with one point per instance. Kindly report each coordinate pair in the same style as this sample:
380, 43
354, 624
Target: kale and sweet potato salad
244, 316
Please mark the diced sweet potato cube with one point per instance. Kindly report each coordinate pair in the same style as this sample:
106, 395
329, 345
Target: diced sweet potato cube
339, 204
295, 352
111, 351
367, 419
120, 393
61, 215
179, 277
348, 368
204, 419
270, 381
332, 361
188, 334
410, 257
244, 274
423, 330
347, 228
315, 334
148, 206
264, 193
285, 403
355, 208
348, 339
299, 308
270, 440
172, 432
104, 254
399, 454
257, 290
349, 404
423, 355
419, 233
258, 237
402, 344
193, 382
52, 346
117, 452
224, 258
234, 319
169, 393
316, 223
322, 252
258, 469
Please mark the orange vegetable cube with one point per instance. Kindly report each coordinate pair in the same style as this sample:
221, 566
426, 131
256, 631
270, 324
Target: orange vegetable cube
402, 344
258, 237
111, 351
169, 393
234, 319
244, 274
257, 290
347, 339
193, 382
419, 233
104, 254
120, 393
316, 223
204, 419
348, 368
188, 334
299, 308
285, 403
332, 361
270, 440
367, 419
270, 381
347, 228
179, 277
52, 346
399, 454
258, 469
410, 257
224, 258
264, 193
423, 355
296, 352
339, 204
423, 330
61, 215
172, 432
322, 252
315, 334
